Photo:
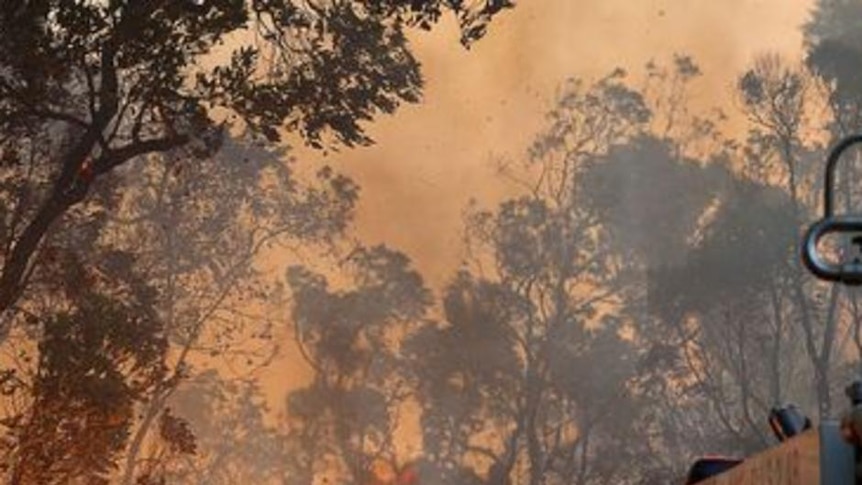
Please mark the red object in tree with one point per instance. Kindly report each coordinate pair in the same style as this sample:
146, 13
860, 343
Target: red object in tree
86, 171
408, 476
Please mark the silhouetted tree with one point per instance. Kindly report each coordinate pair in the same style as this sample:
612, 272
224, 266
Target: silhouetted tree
344, 421
86, 87
94, 363
527, 380
205, 223
234, 440
731, 324
833, 38
777, 98
183, 237
834, 48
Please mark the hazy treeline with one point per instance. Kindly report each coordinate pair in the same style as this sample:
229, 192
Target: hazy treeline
638, 301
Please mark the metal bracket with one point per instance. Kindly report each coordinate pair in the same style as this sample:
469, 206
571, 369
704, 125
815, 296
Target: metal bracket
849, 273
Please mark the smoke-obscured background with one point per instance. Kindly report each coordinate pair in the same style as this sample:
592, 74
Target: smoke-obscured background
326, 242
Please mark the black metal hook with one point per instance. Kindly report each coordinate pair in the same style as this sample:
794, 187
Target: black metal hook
849, 273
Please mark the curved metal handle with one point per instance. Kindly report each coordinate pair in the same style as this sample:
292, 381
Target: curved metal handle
834, 156
847, 273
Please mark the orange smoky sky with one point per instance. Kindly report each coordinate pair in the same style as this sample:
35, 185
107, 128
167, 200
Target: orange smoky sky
431, 158
488, 102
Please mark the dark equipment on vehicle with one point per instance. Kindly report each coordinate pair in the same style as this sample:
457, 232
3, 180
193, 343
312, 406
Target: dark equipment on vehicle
847, 272
709, 467
787, 422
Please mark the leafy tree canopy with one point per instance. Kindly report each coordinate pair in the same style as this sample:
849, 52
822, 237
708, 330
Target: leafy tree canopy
87, 85
834, 38
126, 66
